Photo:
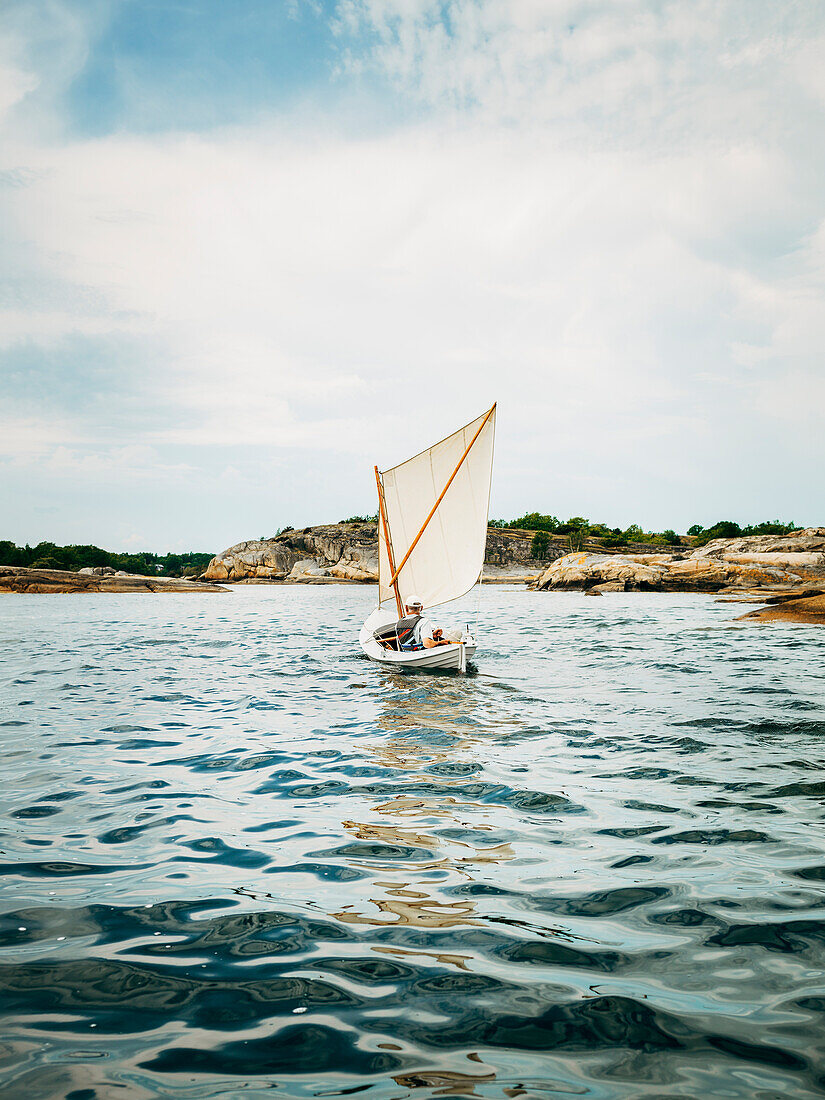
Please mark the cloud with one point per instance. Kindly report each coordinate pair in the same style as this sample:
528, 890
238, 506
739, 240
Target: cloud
594, 215
619, 72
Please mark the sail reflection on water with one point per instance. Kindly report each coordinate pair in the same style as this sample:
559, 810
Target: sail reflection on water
437, 839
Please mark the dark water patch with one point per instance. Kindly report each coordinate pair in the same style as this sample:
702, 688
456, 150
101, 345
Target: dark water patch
605, 1023
454, 770
786, 937
35, 811
127, 728
684, 918
149, 784
712, 837
221, 852
650, 807
553, 954
814, 873
129, 997
539, 802
600, 903
810, 789
380, 852
63, 869
309, 1049
631, 831
126, 834
144, 743
631, 861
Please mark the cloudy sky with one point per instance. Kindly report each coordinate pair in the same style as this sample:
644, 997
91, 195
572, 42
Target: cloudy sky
248, 250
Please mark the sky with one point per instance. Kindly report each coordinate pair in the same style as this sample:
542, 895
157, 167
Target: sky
249, 250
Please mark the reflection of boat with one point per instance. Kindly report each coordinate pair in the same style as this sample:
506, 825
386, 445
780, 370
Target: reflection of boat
433, 524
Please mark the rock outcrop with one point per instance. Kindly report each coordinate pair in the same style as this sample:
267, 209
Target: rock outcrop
760, 562
19, 579
337, 551
349, 552
809, 610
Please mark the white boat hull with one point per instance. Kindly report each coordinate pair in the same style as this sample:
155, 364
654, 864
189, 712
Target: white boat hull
454, 656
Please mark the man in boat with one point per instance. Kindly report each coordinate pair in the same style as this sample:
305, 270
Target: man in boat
413, 631
425, 634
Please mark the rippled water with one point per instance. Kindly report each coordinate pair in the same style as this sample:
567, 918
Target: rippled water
240, 859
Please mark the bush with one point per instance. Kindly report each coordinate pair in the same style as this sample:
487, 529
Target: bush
540, 545
724, 529
46, 555
634, 533
577, 538
535, 521
771, 527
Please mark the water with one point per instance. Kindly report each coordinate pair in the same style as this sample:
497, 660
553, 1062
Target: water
240, 860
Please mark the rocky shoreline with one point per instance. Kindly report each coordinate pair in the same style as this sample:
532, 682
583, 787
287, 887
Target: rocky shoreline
810, 610
784, 572
349, 552
54, 581
755, 564
787, 572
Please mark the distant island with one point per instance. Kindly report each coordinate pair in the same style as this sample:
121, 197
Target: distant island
49, 568
47, 555
768, 563
542, 529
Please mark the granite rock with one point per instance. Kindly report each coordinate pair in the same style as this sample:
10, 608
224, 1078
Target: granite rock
759, 562
810, 610
19, 579
349, 552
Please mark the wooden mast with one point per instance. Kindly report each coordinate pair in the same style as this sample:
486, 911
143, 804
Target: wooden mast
381, 509
394, 580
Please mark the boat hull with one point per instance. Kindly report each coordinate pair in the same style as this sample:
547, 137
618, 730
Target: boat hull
443, 657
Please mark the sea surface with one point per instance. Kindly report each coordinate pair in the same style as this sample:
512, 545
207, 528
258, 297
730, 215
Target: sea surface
238, 859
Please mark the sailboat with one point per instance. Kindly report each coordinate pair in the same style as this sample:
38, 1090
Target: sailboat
432, 533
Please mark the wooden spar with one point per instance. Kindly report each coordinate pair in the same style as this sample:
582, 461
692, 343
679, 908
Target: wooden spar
443, 492
381, 509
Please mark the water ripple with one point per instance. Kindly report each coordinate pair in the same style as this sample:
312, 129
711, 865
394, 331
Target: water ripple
236, 863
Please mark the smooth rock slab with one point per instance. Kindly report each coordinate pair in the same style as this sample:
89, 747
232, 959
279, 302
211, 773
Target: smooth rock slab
759, 562
809, 610
18, 579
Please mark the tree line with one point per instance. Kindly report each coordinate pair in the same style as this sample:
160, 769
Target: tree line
47, 555
579, 530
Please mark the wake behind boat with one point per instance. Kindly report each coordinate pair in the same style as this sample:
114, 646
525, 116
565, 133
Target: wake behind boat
432, 533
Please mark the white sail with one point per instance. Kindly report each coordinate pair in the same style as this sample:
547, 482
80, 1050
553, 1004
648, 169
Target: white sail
448, 557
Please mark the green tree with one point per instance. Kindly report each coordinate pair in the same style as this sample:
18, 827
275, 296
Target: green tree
770, 527
46, 563
535, 521
540, 544
724, 529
